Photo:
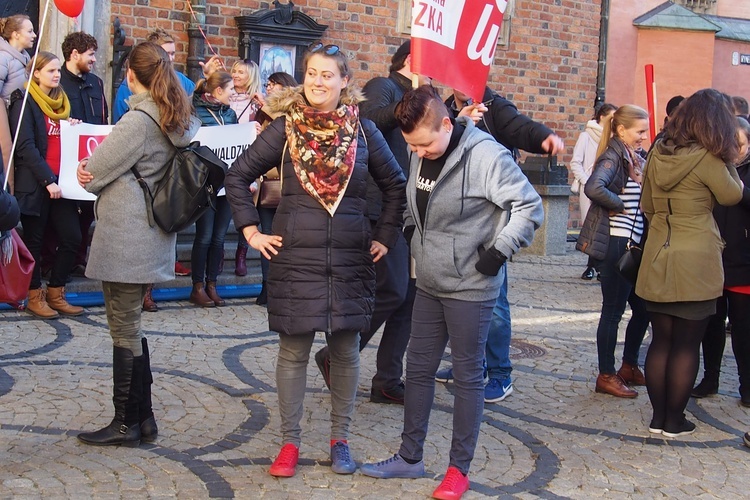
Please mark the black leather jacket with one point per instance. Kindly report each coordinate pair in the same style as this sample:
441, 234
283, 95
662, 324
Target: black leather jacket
603, 188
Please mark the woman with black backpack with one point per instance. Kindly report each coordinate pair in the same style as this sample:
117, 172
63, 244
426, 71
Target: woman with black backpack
143, 140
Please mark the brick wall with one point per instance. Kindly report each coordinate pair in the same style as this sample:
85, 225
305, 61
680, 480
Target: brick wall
548, 68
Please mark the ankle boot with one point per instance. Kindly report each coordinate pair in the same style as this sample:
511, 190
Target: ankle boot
262, 296
127, 389
56, 300
631, 374
612, 384
149, 430
240, 265
199, 298
37, 305
708, 386
213, 294
148, 300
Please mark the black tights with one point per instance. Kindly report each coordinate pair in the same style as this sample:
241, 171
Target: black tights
671, 366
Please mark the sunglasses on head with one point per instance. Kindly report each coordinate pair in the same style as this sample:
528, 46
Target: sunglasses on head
328, 49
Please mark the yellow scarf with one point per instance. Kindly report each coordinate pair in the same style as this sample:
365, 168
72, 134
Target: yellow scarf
57, 109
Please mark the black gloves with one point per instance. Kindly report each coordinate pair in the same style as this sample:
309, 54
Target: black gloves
490, 261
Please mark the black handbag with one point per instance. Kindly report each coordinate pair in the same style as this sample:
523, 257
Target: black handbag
628, 264
188, 188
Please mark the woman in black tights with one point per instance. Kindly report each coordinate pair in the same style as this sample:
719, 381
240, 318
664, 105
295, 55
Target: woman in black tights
733, 223
689, 170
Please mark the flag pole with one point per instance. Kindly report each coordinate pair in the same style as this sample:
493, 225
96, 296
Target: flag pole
25, 95
414, 80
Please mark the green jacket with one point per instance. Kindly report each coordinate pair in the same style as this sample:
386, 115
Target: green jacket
682, 255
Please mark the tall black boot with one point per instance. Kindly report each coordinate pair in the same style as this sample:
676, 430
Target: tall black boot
149, 430
125, 429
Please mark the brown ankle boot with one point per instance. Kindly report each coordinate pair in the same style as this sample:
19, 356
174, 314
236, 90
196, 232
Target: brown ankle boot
149, 305
199, 298
631, 374
612, 384
213, 294
37, 305
240, 264
56, 300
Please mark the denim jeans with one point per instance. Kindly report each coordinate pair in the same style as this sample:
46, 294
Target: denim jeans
291, 382
208, 246
434, 322
616, 292
498, 338
266, 221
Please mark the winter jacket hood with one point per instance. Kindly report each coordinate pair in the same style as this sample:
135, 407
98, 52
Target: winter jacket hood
671, 164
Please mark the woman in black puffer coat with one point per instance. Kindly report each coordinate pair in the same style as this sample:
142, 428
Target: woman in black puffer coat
322, 250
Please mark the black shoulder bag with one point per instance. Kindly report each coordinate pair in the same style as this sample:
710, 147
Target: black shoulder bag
188, 188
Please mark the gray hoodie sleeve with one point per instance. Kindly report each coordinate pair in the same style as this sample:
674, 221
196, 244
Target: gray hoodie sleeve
508, 188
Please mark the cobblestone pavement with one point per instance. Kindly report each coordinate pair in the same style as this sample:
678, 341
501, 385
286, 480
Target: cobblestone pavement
215, 402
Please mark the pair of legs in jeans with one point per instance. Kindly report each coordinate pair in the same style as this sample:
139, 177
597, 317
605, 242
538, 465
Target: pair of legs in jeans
616, 292
435, 321
291, 381
208, 246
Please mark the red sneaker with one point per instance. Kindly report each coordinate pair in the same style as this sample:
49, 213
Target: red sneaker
285, 464
181, 270
453, 486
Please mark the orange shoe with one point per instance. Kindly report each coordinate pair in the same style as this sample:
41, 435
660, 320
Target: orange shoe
454, 485
285, 464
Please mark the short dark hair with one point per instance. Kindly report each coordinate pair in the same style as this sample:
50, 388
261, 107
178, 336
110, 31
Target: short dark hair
604, 109
741, 107
79, 41
688, 125
283, 79
398, 60
422, 105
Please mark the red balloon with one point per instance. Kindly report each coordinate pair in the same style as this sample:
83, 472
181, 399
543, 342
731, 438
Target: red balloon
71, 8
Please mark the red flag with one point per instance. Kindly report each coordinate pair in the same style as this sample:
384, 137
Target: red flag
454, 41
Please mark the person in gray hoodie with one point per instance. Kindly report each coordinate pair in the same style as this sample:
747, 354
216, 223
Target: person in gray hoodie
161, 119
461, 186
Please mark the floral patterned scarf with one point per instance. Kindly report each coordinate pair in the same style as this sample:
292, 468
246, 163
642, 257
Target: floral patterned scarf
323, 146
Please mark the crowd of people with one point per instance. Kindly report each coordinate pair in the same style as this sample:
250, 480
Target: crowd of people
395, 209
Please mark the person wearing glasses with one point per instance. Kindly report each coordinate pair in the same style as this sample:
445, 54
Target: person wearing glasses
323, 249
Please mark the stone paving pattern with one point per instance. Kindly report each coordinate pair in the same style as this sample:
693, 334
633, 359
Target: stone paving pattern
215, 402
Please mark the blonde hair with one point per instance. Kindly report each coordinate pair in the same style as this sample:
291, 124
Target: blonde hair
253, 75
42, 60
626, 116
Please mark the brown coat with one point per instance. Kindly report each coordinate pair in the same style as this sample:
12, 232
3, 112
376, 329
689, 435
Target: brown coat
682, 255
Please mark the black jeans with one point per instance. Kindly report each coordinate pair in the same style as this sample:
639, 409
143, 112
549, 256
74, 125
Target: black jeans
616, 292
62, 214
394, 300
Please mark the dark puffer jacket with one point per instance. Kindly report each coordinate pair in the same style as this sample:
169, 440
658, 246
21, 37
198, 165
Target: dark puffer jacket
323, 278
734, 225
603, 189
